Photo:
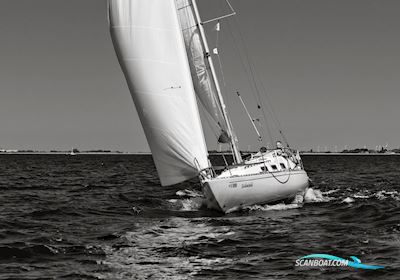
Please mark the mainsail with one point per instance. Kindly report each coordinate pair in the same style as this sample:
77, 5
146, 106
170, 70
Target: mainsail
199, 66
148, 40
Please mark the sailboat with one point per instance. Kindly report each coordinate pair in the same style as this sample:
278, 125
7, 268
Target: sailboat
163, 52
72, 153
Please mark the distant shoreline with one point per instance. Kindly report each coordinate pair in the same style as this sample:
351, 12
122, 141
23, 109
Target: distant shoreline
211, 154
76, 154
349, 154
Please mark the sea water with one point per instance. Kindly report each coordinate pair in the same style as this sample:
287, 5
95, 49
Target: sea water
107, 217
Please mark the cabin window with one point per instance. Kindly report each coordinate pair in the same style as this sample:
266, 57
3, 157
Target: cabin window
273, 166
264, 168
283, 166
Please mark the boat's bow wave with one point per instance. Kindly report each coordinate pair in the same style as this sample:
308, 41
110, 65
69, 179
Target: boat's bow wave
186, 204
276, 207
314, 195
193, 200
188, 193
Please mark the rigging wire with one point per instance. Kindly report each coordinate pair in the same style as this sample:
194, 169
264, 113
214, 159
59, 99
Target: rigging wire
264, 111
216, 52
253, 78
218, 28
273, 114
256, 79
249, 75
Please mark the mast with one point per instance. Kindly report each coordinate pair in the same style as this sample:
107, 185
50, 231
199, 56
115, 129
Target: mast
236, 152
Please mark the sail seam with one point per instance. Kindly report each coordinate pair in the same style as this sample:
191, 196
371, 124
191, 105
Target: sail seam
142, 26
184, 7
161, 92
152, 60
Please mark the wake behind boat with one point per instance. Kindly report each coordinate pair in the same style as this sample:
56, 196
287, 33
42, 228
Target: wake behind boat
163, 51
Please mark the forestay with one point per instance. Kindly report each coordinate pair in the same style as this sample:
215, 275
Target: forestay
199, 67
150, 47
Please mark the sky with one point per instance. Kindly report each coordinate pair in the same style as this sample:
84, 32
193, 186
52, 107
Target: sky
331, 70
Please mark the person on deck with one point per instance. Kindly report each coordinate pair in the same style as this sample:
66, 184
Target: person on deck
280, 149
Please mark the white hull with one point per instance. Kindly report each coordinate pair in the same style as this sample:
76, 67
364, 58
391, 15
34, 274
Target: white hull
231, 193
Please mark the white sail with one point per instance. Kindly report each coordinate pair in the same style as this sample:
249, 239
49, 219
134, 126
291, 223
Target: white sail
149, 43
199, 67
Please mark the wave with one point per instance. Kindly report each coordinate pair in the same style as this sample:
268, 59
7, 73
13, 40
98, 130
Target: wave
56, 212
136, 209
37, 251
331, 191
348, 200
309, 196
191, 200
366, 194
194, 201
187, 204
188, 193
275, 207
352, 194
172, 249
21, 250
384, 194
313, 195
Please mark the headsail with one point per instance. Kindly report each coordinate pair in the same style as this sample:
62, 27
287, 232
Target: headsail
150, 47
203, 72
199, 66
